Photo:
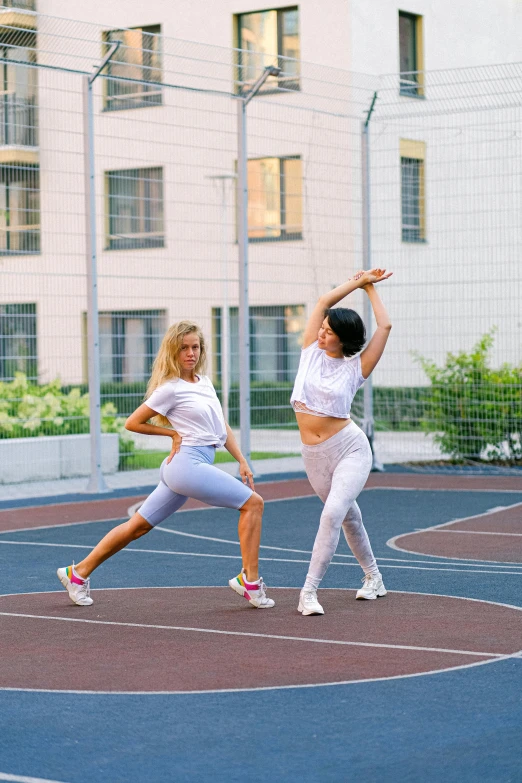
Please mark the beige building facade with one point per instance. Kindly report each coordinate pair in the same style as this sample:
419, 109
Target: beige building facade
445, 207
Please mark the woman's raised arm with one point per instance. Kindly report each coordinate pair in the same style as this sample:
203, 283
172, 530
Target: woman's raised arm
374, 350
323, 303
334, 296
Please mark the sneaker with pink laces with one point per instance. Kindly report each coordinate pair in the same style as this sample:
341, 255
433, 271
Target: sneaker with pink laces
254, 592
79, 589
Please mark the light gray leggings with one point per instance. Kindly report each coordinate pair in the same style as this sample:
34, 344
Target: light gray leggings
338, 469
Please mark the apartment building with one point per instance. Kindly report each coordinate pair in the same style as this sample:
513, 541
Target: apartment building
165, 176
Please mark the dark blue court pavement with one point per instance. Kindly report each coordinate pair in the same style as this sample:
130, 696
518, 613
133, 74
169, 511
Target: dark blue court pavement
452, 727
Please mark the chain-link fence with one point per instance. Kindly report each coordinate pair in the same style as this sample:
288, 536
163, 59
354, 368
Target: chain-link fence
175, 132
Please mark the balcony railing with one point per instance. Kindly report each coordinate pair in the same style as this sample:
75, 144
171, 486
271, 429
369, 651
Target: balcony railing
18, 121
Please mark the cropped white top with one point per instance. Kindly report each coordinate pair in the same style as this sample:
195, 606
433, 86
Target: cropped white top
325, 386
193, 409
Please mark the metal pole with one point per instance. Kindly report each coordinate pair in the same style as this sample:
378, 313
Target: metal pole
225, 315
242, 239
225, 318
96, 481
244, 314
368, 420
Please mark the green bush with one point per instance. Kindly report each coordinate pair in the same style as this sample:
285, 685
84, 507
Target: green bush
395, 408
476, 411
28, 410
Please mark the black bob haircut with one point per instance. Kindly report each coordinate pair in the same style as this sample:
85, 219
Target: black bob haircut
349, 328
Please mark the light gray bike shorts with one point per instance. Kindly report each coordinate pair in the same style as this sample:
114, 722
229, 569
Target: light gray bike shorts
191, 474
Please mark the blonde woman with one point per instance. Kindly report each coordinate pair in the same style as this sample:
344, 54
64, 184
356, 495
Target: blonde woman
182, 404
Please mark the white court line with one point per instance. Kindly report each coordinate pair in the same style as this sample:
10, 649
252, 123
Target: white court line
444, 489
309, 552
497, 510
474, 532
131, 550
213, 508
311, 640
310, 685
489, 512
516, 655
24, 779
474, 564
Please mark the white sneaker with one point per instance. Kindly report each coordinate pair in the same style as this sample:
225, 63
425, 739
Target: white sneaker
252, 591
308, 603
79, 589
372, 588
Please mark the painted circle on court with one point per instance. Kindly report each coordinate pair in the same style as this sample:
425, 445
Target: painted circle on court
494, 537
188, 639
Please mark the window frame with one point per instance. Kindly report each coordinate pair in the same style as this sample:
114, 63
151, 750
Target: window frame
29, 334
117, 340
283, 370
411, 150
413, 87
110, 102
7, 180
285, 236
115, 241
277, 83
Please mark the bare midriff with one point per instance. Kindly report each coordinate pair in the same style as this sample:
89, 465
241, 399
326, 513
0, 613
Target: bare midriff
316, 429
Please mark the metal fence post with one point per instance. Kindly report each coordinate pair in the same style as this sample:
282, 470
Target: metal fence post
244, 315
96, 481
242, 237
368, 420
225, 316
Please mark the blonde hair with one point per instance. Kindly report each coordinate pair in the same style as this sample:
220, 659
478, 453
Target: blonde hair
166, 366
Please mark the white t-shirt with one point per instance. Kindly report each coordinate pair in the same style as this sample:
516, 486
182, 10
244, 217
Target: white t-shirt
193, 409
326, 386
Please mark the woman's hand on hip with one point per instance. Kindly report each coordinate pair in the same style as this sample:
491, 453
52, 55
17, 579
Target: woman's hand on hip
247, 477
176, 445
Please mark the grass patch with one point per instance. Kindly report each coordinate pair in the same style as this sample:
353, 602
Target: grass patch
140, 460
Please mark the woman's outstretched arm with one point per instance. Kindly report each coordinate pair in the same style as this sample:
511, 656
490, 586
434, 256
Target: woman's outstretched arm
334, 296
374, 350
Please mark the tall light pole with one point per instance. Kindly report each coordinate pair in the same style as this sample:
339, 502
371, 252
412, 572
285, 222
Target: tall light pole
242, 238
225, 317
368, 420
96, 481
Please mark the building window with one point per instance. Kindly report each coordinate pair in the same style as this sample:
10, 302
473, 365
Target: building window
275, 198
129, 341
26, 5
18, 341
260, 37
19, 209
18, 111
138, 64
413, 190
411, 55
135, 209
276, 336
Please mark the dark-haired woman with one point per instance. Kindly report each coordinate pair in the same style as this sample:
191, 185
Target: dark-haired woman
336, 453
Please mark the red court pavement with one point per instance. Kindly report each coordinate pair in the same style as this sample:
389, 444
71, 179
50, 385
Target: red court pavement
496, 536
116, 508
36, 651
